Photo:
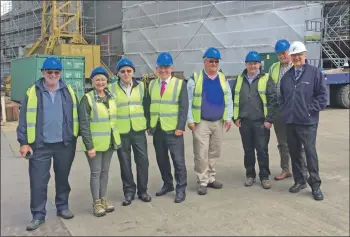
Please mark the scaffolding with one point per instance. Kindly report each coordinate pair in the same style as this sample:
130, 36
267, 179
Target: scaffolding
334, 33
19, 29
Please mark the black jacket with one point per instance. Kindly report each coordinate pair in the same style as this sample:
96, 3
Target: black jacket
250, 104
301, 100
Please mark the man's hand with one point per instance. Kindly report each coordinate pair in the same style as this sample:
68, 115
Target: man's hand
227, 125
191, 126
24, 150
238, 123
92, 153
267, 125
179, 132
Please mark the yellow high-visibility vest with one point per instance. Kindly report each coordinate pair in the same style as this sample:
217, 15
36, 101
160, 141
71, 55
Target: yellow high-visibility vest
130, 110
197, 96
262, 85
102, 123
165, 108
32, 108
275, 71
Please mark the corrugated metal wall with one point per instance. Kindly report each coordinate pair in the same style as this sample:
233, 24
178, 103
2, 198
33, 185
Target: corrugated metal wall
235, 27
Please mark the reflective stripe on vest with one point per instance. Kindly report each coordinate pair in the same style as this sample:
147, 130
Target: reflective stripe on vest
197, 96
262, 85
31, 114
166, 108
102, 123
275, 72
130, 110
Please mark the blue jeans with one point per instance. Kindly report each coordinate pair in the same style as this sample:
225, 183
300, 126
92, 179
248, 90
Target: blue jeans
39, 174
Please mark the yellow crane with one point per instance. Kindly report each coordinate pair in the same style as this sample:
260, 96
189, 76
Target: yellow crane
62, 25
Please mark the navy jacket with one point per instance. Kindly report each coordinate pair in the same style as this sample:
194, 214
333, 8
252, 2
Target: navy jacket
301, 100
67, 104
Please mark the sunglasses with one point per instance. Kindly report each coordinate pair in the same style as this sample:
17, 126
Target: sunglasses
50, 72
213, 61
128, 71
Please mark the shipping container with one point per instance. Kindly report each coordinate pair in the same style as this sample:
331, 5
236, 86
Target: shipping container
25, 71
90, 52
267, 59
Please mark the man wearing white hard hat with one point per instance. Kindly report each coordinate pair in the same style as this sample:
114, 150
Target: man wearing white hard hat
303, 94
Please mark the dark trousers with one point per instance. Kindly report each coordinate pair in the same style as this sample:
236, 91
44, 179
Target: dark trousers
163, 143
298, 136
255, 136
39, 174
138, 142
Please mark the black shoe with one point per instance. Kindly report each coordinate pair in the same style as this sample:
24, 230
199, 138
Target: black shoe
145, 197
202, 190
180, 197
34, 224
164, 190
65, 214
317, 194
127, 201
215, 185
297, 187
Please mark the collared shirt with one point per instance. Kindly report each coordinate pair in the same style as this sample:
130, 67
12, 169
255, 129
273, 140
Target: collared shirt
297, 72
126, 88
190, 89
283, 69
102, 99
167, 82
251, 79
52, 93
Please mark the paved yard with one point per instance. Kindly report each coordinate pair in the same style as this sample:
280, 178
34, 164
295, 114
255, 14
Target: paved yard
233, 210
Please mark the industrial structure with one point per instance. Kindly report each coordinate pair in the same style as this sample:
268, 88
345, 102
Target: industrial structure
140, 30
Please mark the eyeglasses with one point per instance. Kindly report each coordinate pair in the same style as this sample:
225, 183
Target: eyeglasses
213, 61
50, 72
123, 71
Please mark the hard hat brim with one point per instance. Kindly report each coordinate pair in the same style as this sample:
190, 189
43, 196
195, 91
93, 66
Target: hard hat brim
296, 52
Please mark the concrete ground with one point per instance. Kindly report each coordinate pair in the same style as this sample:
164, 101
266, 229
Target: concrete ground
233, 210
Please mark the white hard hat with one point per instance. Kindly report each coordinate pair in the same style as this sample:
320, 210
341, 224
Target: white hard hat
297, 47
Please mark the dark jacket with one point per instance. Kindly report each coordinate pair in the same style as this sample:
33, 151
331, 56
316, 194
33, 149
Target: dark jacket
250, 104
84, 116
67, 104
302, 99
183, 110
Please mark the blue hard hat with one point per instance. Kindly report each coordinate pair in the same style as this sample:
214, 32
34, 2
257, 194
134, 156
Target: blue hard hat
125, 62
212, 53
52, 63
99, 70
281, 46
164, 59
253, 56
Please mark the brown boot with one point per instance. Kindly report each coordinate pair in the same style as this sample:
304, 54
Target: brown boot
284, 174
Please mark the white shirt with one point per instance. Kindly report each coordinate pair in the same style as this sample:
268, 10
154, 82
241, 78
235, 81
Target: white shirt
126, 88
167, 82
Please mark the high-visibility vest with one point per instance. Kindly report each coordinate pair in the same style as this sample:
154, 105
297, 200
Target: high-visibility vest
32, 108
165, 108
197, 97
102, 123
130, 110
262, 85
275, 71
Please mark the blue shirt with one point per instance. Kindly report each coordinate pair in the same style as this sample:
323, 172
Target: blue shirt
213, 103
251, 79
53, 115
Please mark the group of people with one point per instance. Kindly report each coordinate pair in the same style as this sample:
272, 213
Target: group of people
116, 117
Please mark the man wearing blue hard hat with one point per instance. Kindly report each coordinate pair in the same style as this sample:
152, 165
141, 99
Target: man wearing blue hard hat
168, 111
255, 104
277, 70
132, 121
48, 128
210, 109
303, 94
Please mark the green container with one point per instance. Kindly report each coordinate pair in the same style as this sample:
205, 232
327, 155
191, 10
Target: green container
25, 71
267, 59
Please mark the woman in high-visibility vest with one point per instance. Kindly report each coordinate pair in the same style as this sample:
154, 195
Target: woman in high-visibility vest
97, 119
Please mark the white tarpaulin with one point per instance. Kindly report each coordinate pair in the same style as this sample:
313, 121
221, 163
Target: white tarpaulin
234, 27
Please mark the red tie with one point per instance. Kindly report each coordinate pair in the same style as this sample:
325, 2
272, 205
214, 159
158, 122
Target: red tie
162, 89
